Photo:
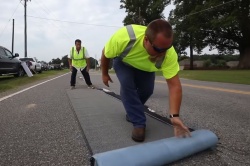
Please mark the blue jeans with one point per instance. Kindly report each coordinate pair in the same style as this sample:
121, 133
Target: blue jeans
136, 86
84, 73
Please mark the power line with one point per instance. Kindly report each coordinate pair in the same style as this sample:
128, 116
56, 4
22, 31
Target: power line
58, 27
75, 22
44, 7
45, 10
10, 19
212, 7
39, 13
35, 11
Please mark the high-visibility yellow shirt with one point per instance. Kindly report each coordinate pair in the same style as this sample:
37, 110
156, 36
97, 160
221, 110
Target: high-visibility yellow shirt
138, 56
79, 58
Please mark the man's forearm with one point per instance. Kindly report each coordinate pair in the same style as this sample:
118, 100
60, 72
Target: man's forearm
104, 64
70, 62
88, 63
175, 95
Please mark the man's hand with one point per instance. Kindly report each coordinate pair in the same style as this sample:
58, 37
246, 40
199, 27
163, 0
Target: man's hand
106, 79
87, 70
180, 130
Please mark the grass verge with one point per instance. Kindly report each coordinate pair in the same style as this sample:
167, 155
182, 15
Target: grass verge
227, 76
11, 82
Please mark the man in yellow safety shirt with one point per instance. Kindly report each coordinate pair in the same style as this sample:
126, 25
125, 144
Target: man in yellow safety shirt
79, 60
138, 52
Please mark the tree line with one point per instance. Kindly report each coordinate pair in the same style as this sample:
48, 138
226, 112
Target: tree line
222, 25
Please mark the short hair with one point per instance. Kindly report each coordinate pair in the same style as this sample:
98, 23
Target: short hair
159, 26
78, 41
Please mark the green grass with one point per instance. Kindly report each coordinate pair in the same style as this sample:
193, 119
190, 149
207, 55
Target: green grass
11, 82
228, 76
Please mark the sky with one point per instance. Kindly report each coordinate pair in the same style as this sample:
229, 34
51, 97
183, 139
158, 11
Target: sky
53, 26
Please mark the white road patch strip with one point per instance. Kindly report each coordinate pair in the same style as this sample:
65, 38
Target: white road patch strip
13, 94
31, 106
106, 90
151, 110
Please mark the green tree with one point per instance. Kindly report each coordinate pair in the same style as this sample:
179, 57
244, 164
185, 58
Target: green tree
65, 61
222, 25
56, 61
143, 11
187, 33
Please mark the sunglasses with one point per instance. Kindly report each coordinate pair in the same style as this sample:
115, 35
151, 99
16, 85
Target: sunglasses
159, 50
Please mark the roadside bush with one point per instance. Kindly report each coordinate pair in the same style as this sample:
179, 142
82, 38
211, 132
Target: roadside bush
207, 63
221, 63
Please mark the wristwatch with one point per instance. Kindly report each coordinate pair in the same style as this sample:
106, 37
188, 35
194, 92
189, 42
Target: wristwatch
173, 115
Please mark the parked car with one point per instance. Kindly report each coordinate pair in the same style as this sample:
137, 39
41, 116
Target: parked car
57, 67
9, 64
33, 64
51, 67
45, 66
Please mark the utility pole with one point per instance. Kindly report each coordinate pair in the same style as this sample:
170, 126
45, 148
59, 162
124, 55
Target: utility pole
25, 28
13, 28
139, 15
95, 62
191, 53
140, 18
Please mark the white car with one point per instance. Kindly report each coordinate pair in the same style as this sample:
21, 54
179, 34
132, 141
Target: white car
33, 64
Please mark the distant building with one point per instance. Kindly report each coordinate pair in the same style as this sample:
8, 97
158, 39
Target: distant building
185, 64
199, 63
232, 64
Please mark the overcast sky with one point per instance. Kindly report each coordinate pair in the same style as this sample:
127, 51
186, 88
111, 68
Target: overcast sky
95, 22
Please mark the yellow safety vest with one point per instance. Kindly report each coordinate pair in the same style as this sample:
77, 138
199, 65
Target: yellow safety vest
130, 45
78, 59
127, 44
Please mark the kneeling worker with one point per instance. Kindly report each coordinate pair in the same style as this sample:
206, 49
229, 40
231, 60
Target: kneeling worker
138, 52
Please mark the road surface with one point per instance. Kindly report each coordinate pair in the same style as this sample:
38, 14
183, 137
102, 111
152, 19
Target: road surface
39, 127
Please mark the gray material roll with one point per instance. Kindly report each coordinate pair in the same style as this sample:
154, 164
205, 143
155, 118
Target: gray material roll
158, 153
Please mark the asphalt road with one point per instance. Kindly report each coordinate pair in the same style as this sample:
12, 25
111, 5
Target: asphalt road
39, 126
220, 107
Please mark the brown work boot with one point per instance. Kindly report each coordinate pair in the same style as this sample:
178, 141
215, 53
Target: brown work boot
138, 134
